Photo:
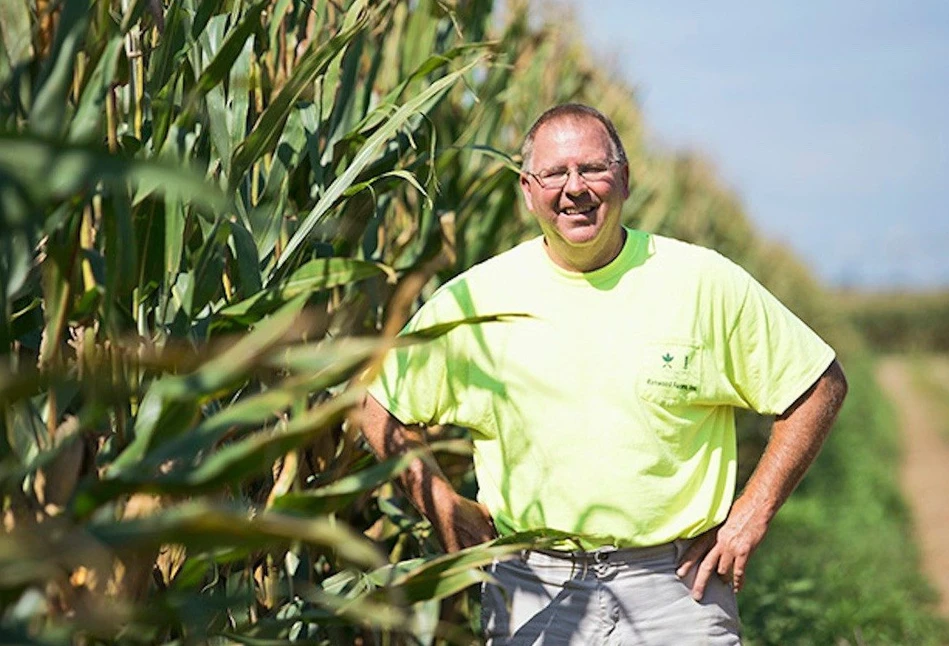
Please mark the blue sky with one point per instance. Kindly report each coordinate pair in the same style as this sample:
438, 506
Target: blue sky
829, 119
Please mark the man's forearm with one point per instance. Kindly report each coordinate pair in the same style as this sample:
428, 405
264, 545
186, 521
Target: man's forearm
457, 521
796, 438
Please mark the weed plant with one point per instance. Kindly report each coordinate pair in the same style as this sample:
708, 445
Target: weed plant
839, 565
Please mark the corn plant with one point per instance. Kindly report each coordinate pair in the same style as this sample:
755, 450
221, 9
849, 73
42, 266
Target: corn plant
206, 207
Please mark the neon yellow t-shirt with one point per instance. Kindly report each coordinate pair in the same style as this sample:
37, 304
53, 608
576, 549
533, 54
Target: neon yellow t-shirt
608, 413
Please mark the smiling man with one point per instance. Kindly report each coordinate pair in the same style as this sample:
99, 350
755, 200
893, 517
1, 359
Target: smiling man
606, 417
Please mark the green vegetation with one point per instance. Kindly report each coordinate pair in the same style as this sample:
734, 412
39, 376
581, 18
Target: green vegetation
212, 216
900, 322
839, 565
206, 209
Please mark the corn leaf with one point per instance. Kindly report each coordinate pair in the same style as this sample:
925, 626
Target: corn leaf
200, 526
369, 150
318, 274
267, 131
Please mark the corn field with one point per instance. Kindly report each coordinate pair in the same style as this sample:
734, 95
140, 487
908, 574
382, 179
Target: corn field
215, 216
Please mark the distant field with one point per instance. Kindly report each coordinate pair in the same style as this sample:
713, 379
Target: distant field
899, 322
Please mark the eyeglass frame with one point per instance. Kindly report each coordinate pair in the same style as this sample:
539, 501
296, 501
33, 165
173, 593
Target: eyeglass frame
541, 182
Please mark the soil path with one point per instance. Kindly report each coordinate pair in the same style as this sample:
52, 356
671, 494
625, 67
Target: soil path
925, 470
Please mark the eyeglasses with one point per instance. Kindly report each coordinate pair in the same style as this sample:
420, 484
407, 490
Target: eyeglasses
558, 177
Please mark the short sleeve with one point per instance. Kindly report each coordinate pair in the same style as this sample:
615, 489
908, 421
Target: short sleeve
771, 357
410, 379
427, 382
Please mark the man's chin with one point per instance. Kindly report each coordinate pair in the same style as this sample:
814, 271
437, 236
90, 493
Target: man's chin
580, 235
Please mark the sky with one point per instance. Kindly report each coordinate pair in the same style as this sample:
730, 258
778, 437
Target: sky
830, 120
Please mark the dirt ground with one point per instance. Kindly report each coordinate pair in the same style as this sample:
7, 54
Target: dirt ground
925, 469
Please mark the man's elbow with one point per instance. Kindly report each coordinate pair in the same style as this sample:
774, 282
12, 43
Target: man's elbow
836, 384
824, 398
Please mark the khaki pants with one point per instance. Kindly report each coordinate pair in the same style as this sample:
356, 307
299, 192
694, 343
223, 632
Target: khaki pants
625, 597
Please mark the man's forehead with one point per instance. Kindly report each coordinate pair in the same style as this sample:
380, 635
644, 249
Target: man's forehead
590, 130
572, 122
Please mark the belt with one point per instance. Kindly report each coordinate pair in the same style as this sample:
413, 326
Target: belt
610, 554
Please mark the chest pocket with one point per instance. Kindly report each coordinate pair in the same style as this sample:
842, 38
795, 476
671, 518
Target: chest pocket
670, 372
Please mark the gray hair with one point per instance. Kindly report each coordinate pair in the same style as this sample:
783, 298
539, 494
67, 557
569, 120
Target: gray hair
571, 111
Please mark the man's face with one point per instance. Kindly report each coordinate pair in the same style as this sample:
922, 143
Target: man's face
581, 219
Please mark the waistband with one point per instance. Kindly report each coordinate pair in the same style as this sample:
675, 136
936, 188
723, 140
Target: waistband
610, 554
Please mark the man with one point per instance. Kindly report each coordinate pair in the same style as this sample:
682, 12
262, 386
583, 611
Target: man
606, 416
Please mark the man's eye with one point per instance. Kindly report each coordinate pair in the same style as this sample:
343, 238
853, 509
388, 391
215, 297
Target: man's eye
553, 174
593, 169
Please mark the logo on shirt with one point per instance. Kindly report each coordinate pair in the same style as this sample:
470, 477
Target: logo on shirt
680, 361
673, 368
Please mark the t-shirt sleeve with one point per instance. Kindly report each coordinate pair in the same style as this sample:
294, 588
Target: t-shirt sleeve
410, 378
418, 383
771, 357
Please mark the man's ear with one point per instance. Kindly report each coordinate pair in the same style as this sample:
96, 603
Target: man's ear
526, 190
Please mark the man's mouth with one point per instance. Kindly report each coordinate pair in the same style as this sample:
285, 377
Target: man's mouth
576, 210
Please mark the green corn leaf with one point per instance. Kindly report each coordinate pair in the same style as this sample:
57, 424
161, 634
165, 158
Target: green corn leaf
315, 359
172, 47
199, 526
119, 249
402, 174
165, 70
53, 172
171, 403
219, 67
235, 44
245, 254
161, 415
280, 8
360, 610
339, 90
232, 463
238, 103
47, 117
246, 414
89, 114
227, 108
175, 222
457, 562
419, 36
289, 149
15, 31
298, 136
369, 150
257, 453
418, 75
245, 355
438, 330
318, 274
337, 495
441, 586
209, 268
267, 131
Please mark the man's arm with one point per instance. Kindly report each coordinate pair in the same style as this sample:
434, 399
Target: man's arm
458, 521
796, 438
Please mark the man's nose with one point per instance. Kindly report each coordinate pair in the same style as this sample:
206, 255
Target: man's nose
575, 183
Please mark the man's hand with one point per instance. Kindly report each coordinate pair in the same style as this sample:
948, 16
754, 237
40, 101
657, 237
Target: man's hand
796, 438
724, 550
460, 523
